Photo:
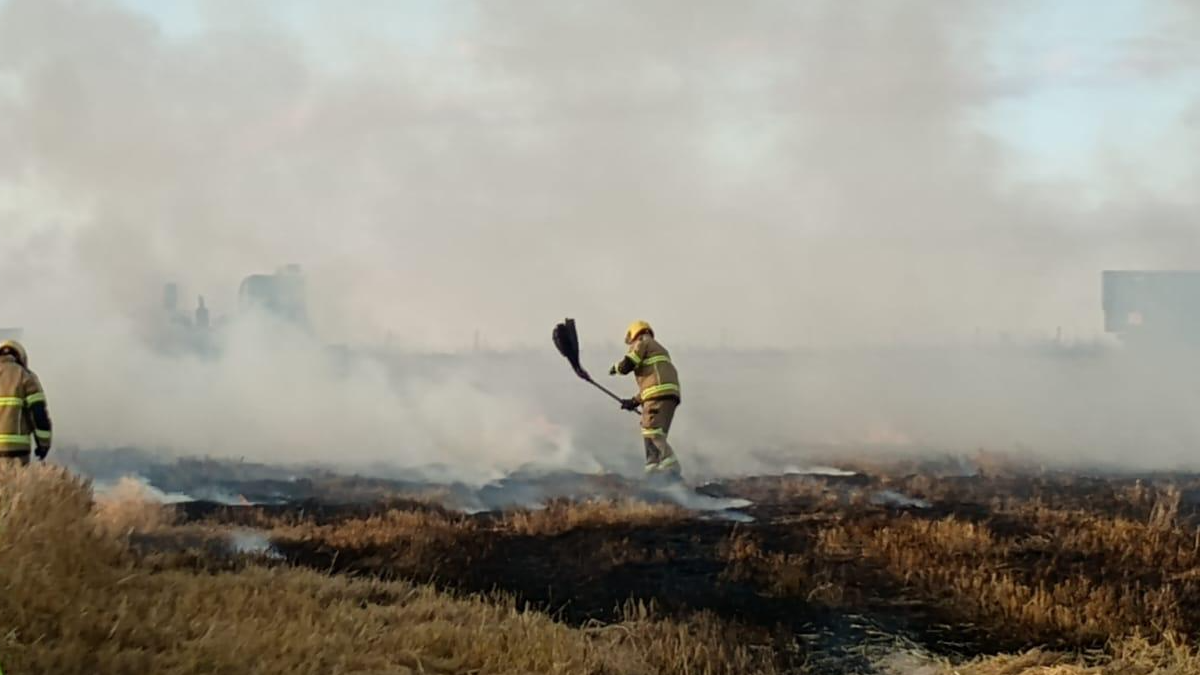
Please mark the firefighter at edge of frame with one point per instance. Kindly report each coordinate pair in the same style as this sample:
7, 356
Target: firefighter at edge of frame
23, 410
658, 394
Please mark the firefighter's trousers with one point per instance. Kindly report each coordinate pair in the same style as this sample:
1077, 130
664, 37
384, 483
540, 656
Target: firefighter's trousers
657, 415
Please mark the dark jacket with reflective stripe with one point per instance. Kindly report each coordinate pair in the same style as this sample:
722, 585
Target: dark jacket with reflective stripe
24, 416
651, 364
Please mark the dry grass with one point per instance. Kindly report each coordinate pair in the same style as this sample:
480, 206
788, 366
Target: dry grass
1123, 542
416, 528
695, 646
1133, 656
129, 508
427, 545
1029, 573
75, 601
814, 577
1089, 588
1084, 568
426, 526
562, 516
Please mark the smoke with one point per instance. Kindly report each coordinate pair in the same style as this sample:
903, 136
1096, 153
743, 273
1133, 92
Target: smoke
770, 174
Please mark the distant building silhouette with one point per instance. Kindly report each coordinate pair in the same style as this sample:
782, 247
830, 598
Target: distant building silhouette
282, 295
201, 314
1159, 306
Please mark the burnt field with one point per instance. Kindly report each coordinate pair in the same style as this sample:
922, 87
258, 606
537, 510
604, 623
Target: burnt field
868, 571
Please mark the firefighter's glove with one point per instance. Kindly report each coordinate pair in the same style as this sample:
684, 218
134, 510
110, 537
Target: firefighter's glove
41, 452
629, 404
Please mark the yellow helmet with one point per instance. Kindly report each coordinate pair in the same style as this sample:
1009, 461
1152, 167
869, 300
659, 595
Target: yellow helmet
635, 329
14, 349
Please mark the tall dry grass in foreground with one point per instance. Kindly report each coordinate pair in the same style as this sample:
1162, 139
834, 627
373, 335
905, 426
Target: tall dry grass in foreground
1132, 656
75, 601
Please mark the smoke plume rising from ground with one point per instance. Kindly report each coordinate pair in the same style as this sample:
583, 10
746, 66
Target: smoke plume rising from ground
765, 174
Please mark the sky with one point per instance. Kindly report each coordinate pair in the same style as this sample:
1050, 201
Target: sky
1088, 91
1102, 81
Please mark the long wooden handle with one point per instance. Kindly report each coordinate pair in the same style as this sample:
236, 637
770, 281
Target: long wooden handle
605, 390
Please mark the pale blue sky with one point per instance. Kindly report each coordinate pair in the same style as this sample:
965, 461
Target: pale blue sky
1085, 101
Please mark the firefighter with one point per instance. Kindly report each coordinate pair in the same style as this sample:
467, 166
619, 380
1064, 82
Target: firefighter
23, 411
658, 395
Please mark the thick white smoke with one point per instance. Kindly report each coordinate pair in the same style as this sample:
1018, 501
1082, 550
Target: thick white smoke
748, 174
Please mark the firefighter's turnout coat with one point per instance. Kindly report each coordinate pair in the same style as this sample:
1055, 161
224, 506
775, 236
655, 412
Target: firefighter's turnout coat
24, 416
651, 365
